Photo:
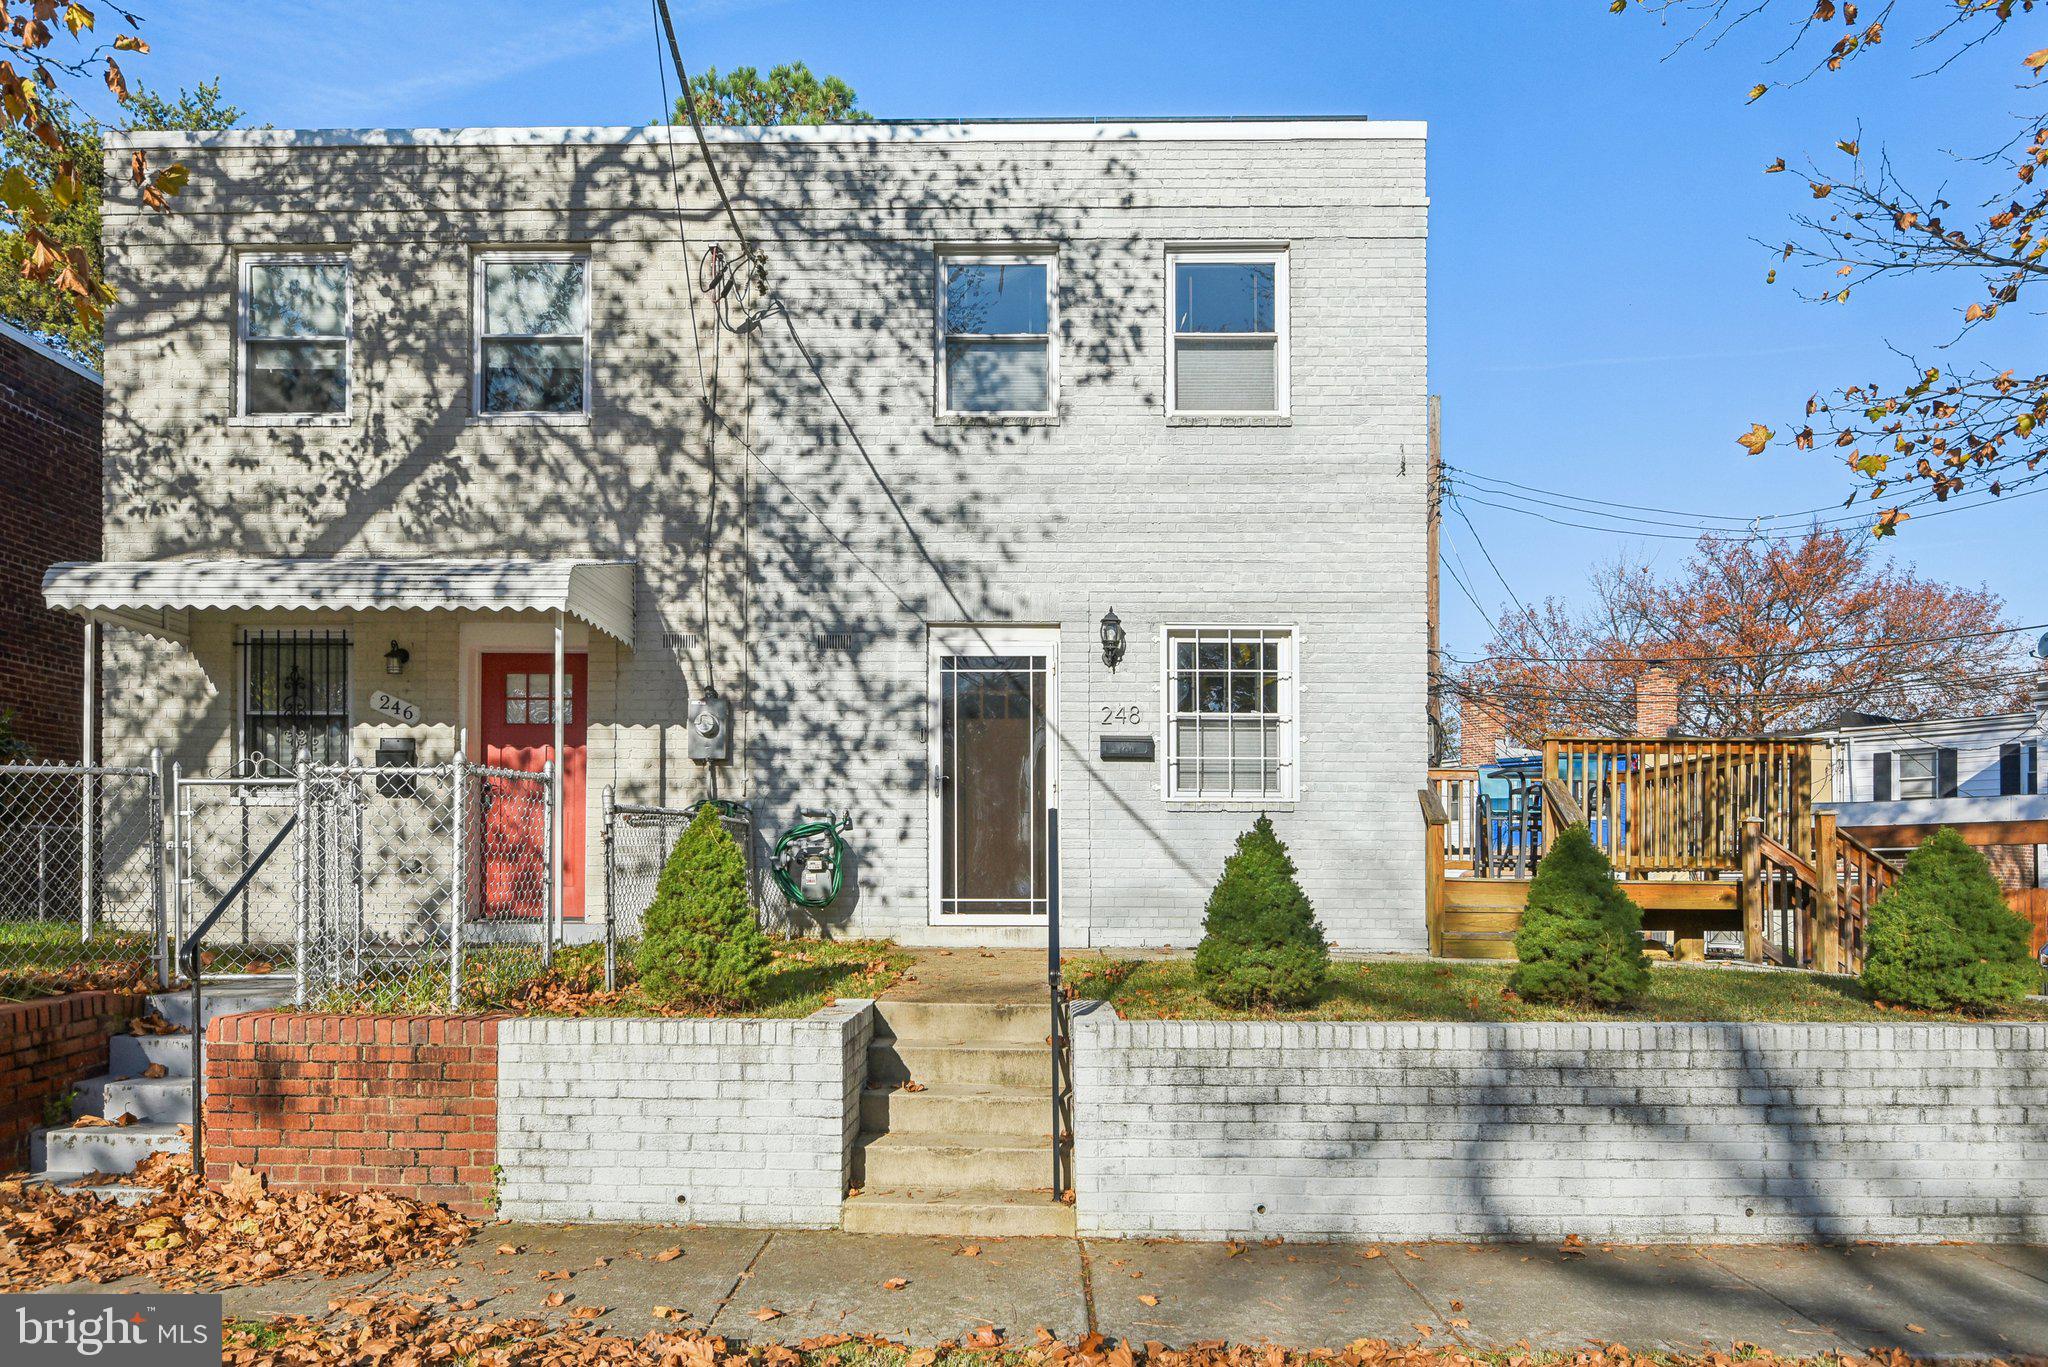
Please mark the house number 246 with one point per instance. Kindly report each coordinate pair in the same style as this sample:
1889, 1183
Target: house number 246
1122, 716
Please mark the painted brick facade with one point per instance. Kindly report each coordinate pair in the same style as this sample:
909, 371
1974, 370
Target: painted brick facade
795, 552
1622, 1132
658, 1121
49, 512
352, 1103
47, 1046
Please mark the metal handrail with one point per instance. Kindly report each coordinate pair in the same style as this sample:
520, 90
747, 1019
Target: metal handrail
188, 954
1062, 1023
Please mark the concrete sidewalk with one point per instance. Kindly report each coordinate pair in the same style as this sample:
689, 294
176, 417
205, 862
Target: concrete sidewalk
1937, 1301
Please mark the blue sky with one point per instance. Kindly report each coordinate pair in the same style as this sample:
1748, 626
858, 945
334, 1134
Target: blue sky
1599, 317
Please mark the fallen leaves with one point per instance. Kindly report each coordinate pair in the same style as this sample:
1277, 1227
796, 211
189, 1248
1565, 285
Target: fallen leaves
766, 1313
1148, 1300
189, 1235
895, 1283
155, 1071
668, 1255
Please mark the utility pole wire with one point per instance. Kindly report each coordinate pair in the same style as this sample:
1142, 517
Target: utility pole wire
675, 53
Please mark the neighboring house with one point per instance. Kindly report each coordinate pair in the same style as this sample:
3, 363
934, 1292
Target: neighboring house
49, 511
1895, 782
442, 394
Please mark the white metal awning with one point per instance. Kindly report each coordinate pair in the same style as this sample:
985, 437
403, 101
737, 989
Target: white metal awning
158, 595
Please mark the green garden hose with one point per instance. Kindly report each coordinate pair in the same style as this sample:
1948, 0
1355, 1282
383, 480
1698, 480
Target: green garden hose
827, 830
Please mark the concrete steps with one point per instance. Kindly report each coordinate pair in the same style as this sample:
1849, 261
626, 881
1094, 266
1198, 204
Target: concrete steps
969, 1151
960, 1211
161, 1106
905, 1160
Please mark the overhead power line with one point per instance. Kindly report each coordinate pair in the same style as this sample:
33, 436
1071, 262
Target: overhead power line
1723, 657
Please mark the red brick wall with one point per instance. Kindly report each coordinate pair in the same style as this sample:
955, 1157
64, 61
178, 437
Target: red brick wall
352, 1103
49, 511
47, 1046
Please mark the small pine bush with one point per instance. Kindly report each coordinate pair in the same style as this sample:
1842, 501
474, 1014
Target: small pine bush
1943, 938
700, 941
1581, 937
1261, 944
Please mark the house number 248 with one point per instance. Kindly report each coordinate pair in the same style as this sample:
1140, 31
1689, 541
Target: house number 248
1122, 716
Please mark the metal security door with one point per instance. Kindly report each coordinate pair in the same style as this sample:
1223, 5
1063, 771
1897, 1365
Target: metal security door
994, 768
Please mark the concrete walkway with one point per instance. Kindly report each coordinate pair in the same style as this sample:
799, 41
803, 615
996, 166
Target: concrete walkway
1939, 1301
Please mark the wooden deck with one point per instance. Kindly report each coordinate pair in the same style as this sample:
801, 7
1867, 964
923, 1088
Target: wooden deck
1480, 915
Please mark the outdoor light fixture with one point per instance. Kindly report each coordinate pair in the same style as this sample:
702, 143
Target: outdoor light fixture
395, 658
1112, 640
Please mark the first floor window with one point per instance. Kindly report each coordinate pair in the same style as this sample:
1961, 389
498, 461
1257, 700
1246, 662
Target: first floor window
527, 698
1228, 352
533, 312
294, 325
996, 320
295, 696
1230, 703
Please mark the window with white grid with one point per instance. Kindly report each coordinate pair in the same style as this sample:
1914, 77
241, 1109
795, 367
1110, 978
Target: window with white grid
1230, 704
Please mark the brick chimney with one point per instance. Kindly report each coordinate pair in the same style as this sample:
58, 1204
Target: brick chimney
1481, 732
1656, 700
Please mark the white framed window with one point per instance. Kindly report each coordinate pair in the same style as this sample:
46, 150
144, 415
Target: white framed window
532, 348
998, 315
293, 338
1231, 732
1227, 354
1918, 772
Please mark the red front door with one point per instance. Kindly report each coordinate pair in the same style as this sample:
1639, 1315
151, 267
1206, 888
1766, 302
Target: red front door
519, 733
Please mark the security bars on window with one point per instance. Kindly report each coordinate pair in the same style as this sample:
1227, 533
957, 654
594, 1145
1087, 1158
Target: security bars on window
1230, 697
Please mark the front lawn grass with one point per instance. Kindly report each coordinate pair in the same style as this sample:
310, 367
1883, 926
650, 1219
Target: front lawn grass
804, 976
1165, 989
46, 958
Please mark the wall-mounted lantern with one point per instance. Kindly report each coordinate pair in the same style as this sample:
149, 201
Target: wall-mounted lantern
395, 658
1112, 640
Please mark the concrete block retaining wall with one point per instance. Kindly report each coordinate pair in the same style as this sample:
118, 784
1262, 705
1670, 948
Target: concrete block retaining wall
661, 1121
1623, 1132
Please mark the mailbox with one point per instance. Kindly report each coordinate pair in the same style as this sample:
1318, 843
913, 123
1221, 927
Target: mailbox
397, 752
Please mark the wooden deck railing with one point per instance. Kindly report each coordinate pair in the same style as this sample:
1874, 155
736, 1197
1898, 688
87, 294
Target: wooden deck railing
1811, 913
1677, 805
1457, 793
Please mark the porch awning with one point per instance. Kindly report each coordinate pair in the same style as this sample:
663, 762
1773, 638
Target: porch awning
156, 595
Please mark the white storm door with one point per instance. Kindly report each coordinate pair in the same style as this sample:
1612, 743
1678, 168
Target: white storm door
994, 767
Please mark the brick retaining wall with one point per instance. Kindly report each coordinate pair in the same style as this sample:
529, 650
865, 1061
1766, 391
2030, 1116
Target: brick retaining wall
664, 1121
1622, 1132
355, 1102
48, 1046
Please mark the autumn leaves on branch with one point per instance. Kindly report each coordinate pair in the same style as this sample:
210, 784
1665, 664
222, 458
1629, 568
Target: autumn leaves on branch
1949, 430
30, 75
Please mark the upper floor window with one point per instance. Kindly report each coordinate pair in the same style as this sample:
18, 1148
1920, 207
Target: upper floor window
533, 334
996, 324
1229, 345
1916, 773
294, 345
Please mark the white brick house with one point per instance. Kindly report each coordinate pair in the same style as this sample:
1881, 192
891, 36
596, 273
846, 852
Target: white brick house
446, 393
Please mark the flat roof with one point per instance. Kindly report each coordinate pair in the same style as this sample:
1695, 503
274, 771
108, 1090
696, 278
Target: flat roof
1259, 128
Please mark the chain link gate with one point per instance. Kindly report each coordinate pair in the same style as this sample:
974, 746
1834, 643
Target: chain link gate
397, 885
82, 891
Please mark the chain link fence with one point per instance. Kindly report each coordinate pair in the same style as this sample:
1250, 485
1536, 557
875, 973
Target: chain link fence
398, 888
637, 843
81, 876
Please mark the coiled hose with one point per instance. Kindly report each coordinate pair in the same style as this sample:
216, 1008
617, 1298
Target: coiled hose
829, 827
